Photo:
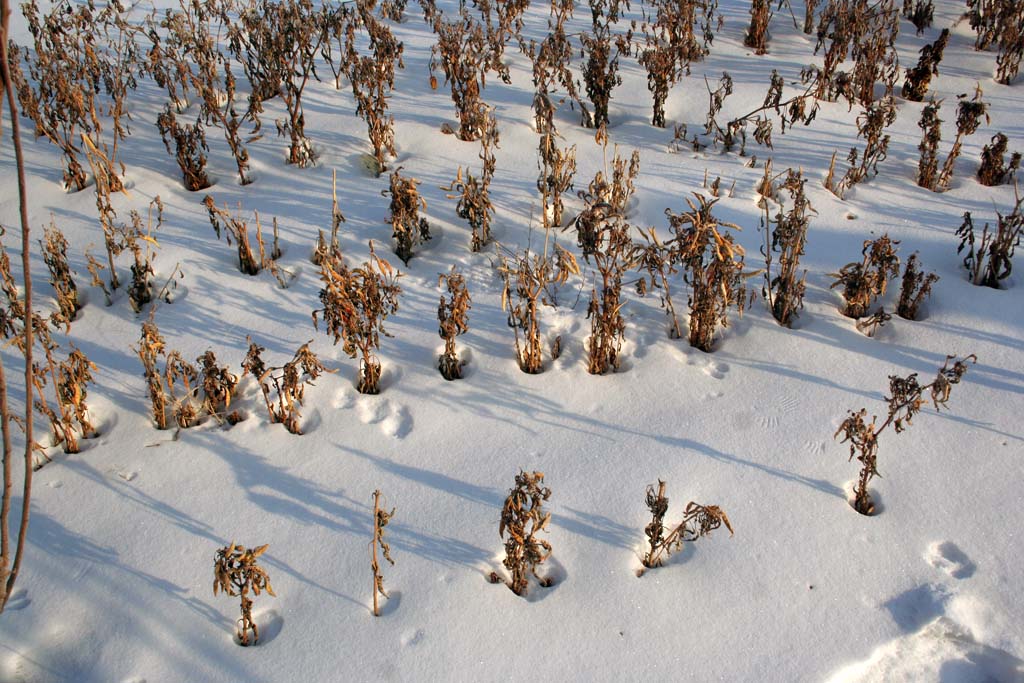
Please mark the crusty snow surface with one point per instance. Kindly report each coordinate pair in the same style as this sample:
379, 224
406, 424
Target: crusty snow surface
116, 584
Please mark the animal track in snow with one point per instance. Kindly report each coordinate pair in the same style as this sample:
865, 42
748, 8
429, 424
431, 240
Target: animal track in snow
773, 414
394, 420
373, 409
948, 557
413, 637
815, 447
716, 369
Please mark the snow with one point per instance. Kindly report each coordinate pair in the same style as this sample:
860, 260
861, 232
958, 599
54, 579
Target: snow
116, 583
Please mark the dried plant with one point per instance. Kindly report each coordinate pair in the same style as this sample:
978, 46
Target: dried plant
551, 60
234, 226
236, 572
920, 13
698, 520
871, 124
601, 51
465, 55
658, 259
190, 148
999, 24
373, 80
786, 235
990, 260
288, 382
522, 518
408, 227
473, 193
332, 251
69, 379
920, 77
453, 320
277, 44
914, 289
219, 385
187, 60
756, 36
83, 65
712, 264
557, 168
356, 302
140, 291
168, 401
864, 281
869, 324
529, 276
380, 520
906, 400
55, 255
861, 27
969, 116
790, 112
993, 169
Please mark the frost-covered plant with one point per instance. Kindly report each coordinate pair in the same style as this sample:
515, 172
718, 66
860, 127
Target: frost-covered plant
698, 520
236, 572
356, 302
522, 518
865, 280
712, 264
906, 399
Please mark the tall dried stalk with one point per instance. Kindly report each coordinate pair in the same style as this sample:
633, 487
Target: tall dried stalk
969, 116
473, 193
905, 401
380, 520
10, 565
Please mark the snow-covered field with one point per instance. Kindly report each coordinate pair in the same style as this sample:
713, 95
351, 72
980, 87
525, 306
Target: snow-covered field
116, 583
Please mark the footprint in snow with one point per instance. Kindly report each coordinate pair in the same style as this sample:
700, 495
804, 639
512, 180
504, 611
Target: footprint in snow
716, 369
398, 424
948, 557
413, 637
373, 409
